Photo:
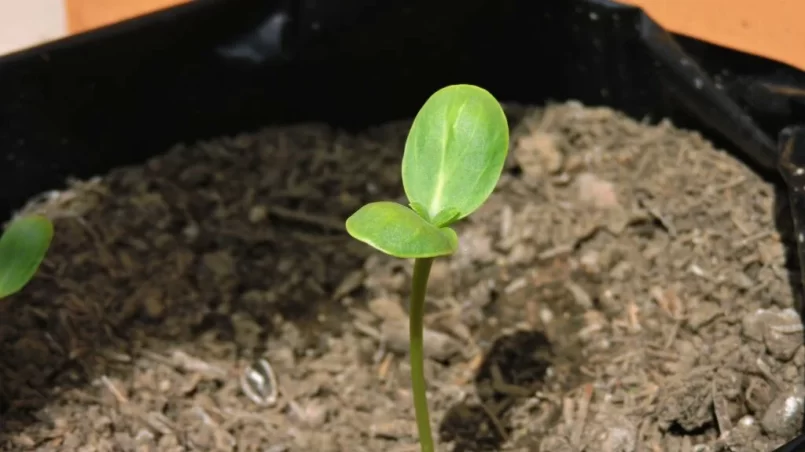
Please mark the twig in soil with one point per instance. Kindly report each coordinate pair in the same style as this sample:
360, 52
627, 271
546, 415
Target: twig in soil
472, 367
183, 362
581, 297
121, 399
634, 319
330, 223
752, 239
157, 357
766, 372
223, 439
235, 417
760, 287
641, 434
493, 417
556, 251
669, 341
663, 354
568, 411
581, 416
664, 221
698, 271
367, 330
788, 329
499, 385
156, 421
650, 393
259, 383
385, 365
738, 180
721, 411
668, 301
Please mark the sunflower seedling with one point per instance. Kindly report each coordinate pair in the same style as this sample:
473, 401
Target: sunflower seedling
23, 246
453, 158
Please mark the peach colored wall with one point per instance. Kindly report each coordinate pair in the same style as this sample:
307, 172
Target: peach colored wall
85, 15
769, 28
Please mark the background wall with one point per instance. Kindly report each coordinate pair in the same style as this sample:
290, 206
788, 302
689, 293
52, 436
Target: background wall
27, 23
770, 28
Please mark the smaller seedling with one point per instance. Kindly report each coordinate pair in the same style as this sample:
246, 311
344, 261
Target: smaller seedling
452, 162
23, 246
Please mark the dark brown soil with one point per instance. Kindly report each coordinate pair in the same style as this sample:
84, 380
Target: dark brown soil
625, 289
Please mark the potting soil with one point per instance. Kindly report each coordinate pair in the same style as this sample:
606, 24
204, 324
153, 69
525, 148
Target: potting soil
624, 289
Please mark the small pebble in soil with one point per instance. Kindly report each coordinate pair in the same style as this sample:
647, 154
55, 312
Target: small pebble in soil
784, 415
437, 345
780, 330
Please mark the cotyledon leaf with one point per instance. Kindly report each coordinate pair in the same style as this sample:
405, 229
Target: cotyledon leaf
455, 151
400, 232
23, 245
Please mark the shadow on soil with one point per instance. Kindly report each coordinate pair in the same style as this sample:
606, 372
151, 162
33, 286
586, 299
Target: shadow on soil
95, 308
513, 369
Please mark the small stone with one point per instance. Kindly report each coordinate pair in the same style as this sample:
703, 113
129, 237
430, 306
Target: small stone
154, 304
790, 374
783, 334
590, 262
686, 402
220, 263
613, 434
247, 330
596, 192
753, 324
556, 443
758, 395
387, 308
395, 429
476, 246
353, 281
742, 280
621, 271
799, 358
437, 346
537, 155
784, 415
440, 279
744, 435
312, 414
258, 213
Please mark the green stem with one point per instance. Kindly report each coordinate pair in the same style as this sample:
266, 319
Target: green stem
419, 286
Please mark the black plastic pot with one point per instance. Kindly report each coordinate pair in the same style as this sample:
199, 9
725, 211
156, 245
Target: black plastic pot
83, 105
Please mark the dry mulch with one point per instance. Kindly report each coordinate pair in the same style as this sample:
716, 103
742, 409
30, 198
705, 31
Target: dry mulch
624, 289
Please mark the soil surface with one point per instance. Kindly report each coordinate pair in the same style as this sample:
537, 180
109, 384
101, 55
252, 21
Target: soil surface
624, 289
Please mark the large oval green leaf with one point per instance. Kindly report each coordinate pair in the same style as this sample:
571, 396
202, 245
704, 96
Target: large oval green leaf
22, 247
455, 151
398, 231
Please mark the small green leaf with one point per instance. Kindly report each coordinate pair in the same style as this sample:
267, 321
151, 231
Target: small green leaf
455, 150
421, 210
400, 232
446, 217
22, 248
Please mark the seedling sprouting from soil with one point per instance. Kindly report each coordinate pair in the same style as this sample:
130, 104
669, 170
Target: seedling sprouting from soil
453, 158
23, 245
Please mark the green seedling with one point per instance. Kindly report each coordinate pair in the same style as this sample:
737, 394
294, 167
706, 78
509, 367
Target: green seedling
23, 246
453, 158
